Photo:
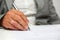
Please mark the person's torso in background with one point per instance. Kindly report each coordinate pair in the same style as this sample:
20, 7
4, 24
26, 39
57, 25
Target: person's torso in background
28, 7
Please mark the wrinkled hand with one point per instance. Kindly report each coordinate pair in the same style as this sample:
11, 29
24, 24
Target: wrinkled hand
15, 20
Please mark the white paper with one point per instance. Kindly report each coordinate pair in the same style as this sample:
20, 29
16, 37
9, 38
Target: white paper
42, 32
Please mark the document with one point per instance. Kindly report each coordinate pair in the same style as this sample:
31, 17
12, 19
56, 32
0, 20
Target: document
41, 32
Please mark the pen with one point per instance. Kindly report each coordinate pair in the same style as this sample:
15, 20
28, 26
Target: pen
28, 28
18, 9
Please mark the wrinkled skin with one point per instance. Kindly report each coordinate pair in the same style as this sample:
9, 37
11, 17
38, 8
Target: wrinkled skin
15, 20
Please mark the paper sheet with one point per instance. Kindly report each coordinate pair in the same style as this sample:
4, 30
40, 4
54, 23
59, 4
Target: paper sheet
42, 32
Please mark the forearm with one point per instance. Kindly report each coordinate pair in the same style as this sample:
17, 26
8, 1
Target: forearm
52, 12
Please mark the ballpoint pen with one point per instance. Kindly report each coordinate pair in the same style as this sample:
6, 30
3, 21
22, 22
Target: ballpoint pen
28, 28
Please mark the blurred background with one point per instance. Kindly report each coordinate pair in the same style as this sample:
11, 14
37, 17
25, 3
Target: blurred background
57, 6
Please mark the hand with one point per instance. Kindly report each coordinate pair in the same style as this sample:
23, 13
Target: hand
15, 20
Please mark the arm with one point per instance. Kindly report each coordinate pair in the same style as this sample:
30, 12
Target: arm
53, 15
47, 14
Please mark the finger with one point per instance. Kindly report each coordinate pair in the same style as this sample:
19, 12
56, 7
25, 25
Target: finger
21, 14
16, 25
8, 26
10, 13
20, 21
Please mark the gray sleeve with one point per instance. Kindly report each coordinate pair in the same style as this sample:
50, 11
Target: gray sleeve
42, 12
52, 13
3, 8
47, 14
5, 5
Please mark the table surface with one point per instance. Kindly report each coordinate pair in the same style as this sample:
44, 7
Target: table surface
42, 32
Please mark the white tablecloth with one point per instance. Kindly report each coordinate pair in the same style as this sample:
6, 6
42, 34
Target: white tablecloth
42, 32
